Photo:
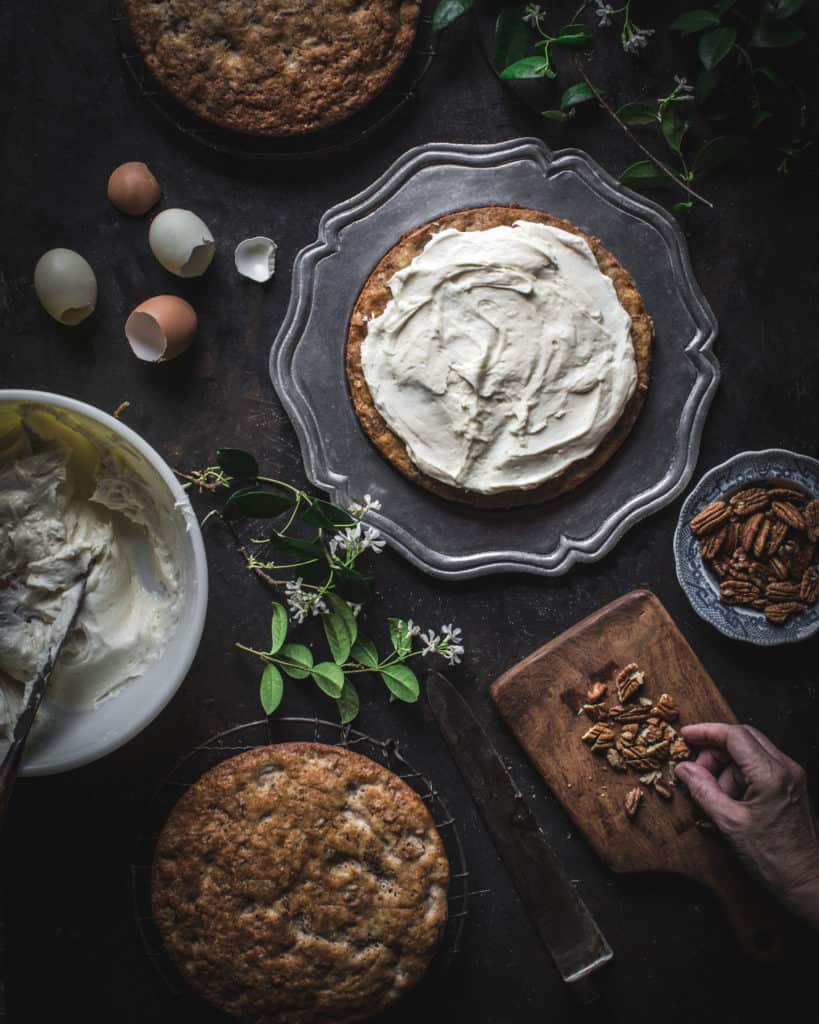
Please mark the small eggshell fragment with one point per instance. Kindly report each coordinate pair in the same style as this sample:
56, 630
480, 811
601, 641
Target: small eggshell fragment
133, 189
161, 328
66, 286
256, 258
182, 242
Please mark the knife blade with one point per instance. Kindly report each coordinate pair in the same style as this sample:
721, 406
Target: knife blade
558, 914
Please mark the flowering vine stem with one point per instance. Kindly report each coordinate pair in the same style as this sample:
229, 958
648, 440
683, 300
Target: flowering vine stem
647, 152
330, 586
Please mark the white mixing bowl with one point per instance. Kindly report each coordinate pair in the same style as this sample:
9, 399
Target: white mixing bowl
77, 735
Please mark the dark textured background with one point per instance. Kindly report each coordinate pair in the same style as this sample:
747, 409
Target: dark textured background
69, 116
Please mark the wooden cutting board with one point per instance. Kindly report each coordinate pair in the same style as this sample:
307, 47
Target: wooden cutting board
540, 698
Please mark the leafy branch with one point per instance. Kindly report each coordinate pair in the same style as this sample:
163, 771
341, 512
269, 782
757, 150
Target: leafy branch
309, 553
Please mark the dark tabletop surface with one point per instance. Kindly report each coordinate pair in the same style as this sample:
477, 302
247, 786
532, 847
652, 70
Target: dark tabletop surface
70, 116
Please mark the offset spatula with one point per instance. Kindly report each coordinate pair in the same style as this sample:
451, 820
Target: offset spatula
61, 627
557, 913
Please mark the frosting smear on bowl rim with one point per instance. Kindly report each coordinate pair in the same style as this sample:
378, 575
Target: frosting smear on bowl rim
503, 357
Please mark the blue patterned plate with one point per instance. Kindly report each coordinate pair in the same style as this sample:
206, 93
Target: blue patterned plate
774, 466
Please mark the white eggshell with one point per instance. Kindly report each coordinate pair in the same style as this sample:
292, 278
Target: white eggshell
182, 242
66, 286
161, 328
256, 258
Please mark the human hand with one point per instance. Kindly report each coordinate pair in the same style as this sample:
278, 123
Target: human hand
758, 798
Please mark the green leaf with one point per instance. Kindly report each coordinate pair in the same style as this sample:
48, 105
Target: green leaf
554, 115
236, 462
724, 6
364, 652
775, 36
577, 35
352, 585
513, 37
715, 45
695, 21
327, 516
673, 127
297, 655
638, 113
759, 118
345, 612
401, 641
528, 67
278, 628
402, 682
575, 94
338, 637
683, 207
707, 82
717, 152
329, 678
778, 10
303, 549
644, 174
271, 689
252, 503
449, 11
348, 703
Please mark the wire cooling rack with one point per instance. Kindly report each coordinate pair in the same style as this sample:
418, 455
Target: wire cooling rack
280, 730
400, 92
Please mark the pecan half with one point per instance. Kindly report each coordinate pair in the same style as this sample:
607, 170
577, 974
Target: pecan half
787, 494
738, 591
710, 517
811, 515
711, 544
809, 586
747, 502
782, 590
750, 530
779, 531
789, 514
761, 540
780, 613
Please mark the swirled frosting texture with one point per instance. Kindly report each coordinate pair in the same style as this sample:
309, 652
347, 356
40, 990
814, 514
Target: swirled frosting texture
503, 356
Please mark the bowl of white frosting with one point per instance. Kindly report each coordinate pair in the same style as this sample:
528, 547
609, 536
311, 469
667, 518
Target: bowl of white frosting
74, 483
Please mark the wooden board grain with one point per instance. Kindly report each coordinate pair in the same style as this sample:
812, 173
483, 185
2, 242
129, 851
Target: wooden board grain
540, 698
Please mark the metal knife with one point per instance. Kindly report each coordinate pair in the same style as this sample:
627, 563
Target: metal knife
558, 914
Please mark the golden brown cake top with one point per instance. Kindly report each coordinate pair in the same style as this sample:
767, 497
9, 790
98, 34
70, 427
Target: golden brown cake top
274, 67
300, 882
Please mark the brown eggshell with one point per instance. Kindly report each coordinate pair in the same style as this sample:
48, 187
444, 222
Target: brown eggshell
133, 189
161, 328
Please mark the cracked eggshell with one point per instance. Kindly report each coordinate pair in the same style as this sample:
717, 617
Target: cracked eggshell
161, 328
133, 189
182, 242
66, 286
256, 258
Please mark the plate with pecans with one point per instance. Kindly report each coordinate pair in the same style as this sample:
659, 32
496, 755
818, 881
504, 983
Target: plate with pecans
746, 547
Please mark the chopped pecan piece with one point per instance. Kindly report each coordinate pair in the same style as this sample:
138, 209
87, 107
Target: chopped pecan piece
632, 801
614, 759
628, 682
664, 791
666, 708
710, 517
650, 778
789, 514
679, 749
596, 712
596, 693
592, 734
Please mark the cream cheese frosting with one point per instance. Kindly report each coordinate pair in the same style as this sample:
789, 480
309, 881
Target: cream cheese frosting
503, 356
59, 505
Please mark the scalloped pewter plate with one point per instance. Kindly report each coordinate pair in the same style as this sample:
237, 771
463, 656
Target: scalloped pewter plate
701, 586
440, 537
